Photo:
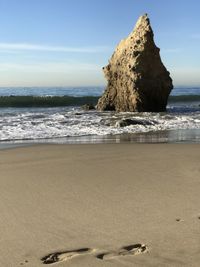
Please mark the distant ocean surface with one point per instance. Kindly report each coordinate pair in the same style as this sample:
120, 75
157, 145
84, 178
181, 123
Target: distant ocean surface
38, 115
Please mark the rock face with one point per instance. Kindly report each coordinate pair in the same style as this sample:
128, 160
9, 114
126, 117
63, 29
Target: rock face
88, 107
127, 122
137, 78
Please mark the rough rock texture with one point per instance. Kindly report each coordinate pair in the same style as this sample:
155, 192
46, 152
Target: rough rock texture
137, 78
127, 122
88, 107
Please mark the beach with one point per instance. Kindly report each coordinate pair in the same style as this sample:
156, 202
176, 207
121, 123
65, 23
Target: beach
100, 205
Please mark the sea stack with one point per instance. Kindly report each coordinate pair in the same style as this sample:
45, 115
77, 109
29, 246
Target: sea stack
137, 79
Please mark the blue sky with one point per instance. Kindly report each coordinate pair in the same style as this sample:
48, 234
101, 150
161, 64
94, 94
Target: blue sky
66, 42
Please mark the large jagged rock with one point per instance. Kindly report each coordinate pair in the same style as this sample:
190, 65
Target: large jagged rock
137, 78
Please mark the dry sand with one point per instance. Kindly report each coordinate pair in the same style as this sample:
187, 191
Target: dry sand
95, 200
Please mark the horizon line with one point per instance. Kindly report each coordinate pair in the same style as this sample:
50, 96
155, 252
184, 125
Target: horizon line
79, 86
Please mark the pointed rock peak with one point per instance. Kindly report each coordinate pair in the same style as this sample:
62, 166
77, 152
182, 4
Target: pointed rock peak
137, 78
143, 22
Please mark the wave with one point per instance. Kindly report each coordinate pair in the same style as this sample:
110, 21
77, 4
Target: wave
61, 101
46, 101
52, 125
184, 98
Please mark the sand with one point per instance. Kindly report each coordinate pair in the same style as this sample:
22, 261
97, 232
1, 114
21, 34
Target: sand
100, 205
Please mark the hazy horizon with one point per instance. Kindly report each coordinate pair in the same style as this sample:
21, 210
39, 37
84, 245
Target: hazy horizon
66, 44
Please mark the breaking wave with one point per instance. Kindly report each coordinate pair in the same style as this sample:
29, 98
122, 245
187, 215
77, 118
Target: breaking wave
66, 122
61, 101
46, 101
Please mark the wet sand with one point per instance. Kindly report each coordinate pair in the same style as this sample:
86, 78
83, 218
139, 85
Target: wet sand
100, 205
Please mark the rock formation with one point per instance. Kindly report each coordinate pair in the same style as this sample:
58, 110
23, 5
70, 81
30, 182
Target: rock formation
127, 122
137, 78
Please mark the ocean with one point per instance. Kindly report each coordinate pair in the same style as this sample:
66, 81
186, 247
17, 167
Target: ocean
55, 115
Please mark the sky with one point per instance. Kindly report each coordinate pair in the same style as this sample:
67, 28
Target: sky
67, 42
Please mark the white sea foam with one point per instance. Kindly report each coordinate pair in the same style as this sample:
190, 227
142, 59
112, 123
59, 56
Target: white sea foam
74, 122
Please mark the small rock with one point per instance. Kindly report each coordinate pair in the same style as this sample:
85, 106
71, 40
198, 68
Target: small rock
128, 122
88, 107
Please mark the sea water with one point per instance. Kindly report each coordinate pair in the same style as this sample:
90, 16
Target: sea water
70, 123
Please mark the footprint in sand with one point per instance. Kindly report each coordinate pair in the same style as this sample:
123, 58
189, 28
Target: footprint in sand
130, 250
65, 255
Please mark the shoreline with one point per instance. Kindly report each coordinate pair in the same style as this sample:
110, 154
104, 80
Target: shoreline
182, 136
100, 200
